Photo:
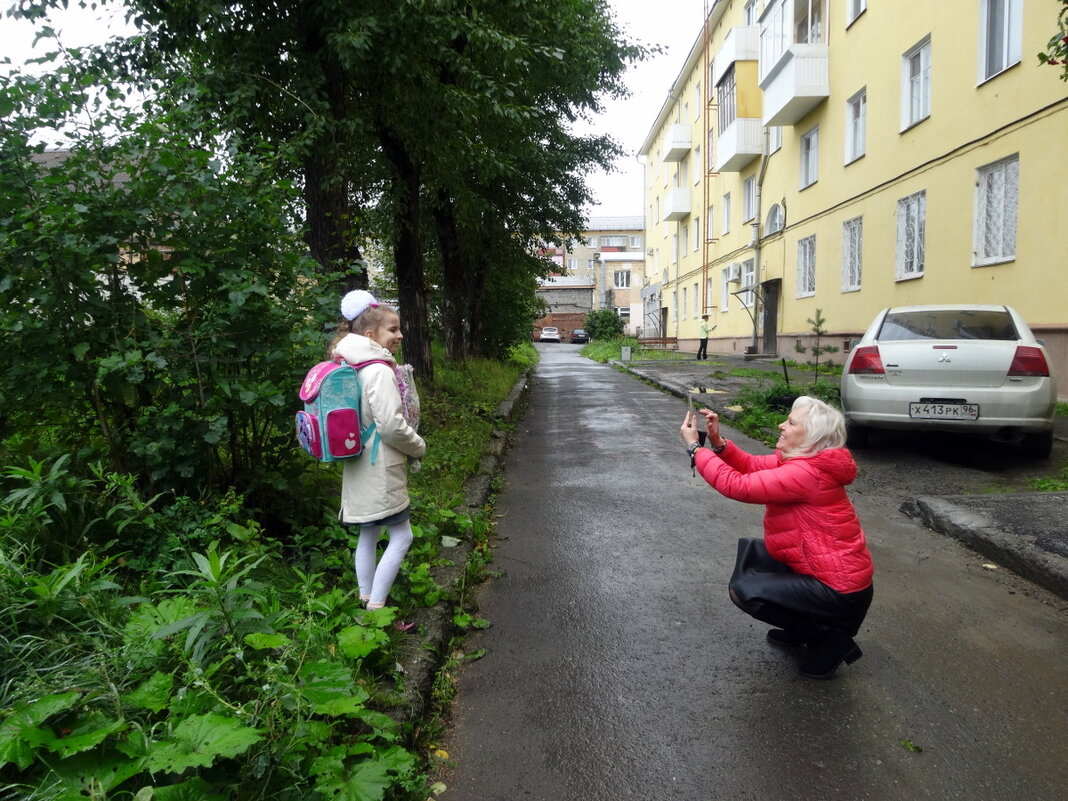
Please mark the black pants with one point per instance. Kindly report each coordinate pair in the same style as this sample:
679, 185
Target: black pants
702, 349
770, 591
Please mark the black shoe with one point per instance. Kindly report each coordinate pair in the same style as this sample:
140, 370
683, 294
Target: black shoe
825, 657
785, 638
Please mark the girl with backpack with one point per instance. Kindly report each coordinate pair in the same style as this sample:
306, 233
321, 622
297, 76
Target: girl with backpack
374, 487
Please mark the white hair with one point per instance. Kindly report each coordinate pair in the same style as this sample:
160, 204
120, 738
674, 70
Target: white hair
824, 425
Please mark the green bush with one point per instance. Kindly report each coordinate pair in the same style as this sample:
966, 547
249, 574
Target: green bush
603, 324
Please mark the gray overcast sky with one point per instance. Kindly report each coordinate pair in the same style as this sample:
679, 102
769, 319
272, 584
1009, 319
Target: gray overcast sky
673, 24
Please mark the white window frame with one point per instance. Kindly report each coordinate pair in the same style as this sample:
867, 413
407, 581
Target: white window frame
997, 194
590, 264
726, 100
593, 242
725, 290
749, 199
696, 300
806, 267
623, 312
852, 254
810, 156
856, 126
750, 15
854, 8
674, 248
683, 305
773, 223
727, 213
621, 279
916, 84
674, 305
696, 234
684, 239
911, 236
710, 222
748, 297
572, 265
636, 242
697, 104
774, 138
710, 293
999, 39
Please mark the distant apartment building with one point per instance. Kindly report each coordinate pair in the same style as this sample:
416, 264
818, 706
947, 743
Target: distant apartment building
609, 263
847, 155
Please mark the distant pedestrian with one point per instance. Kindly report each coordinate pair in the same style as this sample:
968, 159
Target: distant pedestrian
702, 332
811, 576
374, 487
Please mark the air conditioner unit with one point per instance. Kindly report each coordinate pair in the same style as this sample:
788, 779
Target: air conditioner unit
734, 272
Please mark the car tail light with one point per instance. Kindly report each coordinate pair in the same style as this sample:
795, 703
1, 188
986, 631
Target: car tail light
866, 361
1029, 360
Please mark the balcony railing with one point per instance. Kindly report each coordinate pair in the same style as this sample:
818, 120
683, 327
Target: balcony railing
738, 145
795, 84
677, 142
677, 204
742, 44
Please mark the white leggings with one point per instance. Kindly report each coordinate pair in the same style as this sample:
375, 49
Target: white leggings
375, 582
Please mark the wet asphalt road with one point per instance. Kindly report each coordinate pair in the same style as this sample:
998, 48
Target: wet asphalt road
616, 667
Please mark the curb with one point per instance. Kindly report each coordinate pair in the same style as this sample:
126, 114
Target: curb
421, 663
1018, 552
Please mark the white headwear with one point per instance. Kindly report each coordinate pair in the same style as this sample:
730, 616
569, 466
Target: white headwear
356, 302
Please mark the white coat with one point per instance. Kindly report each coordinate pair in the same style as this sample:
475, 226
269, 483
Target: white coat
372, 491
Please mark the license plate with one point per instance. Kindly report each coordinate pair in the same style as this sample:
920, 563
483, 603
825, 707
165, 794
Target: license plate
944, 411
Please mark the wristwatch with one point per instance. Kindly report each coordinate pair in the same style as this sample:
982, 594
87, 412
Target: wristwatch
718, 449
692, 448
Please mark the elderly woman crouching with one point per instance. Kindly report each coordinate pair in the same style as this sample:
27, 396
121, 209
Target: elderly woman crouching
811, 576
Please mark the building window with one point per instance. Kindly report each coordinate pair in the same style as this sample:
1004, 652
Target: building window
593, 241
773, 223
674, 248
749, 199
636, 242
710, 222
684, 303
856, 124
1001, 34
675, 304
696, 301
916, 84
623, 312
572, 265
726, 97
685, 239
852, 242
727, 213
774, 138
997, 193
810, 143
911, 224
589, 264
696, 233
806, 267
854, 8
614, 241
748, 297
698, 162
697, 102
725, 290
622, 279
750, 13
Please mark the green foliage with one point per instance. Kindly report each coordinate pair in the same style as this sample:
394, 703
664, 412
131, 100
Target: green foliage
1056, 52
765, 404
603, 324
818, 328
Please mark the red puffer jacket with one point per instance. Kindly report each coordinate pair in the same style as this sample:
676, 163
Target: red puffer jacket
810, 524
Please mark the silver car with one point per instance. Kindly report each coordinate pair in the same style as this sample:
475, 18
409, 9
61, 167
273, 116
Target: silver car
549, 334
960, 368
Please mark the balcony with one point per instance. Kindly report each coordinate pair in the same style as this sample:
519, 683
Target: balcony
795, 84
738, 145
677, 205
742, 44
677, 142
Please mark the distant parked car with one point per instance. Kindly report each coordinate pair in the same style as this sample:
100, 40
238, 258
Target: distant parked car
959, 368
579, 337
550, 334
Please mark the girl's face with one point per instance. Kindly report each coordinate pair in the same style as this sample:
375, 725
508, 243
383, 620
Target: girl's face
791, 433
388, 333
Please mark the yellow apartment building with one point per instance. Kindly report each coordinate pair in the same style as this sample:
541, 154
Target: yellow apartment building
848, 155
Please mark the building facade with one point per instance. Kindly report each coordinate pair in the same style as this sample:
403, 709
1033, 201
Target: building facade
848, 155
610, 261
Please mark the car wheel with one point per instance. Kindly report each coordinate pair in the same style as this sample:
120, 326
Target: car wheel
857, 436
1037, 445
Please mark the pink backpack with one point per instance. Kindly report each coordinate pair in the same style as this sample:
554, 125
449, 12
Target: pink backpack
329, 426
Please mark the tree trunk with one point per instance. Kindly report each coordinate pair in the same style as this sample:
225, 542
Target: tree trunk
329, 212
454, 269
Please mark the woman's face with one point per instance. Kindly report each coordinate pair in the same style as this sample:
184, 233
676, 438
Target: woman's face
388, 333
791, 433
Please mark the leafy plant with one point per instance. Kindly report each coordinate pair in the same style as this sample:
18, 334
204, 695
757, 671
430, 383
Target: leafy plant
816, 350
603, 324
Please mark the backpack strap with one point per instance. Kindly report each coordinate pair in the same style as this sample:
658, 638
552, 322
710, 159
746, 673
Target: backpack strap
371, 431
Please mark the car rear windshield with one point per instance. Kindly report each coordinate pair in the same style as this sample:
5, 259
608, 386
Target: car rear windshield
948, 324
